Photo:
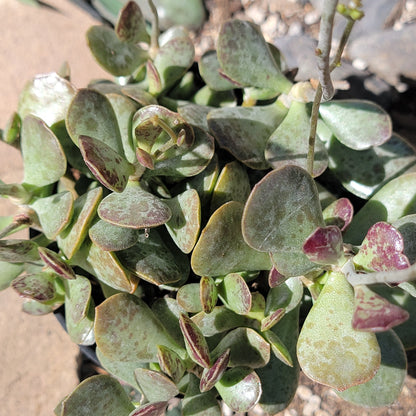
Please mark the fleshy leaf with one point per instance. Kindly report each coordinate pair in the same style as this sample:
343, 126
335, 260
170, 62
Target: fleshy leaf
79, 311
111, 237
115, 56
9, 271
111, 169
221, 249
244, 131
324, 245
272, 319
55, 262
287, 295
347, 357
385, 387
233, 184
235, 293
339, 213
134, 208
374, 313
122, 322
363, 172
210, 69
282, 210
91, 114
43, 157
358, 124
240, 388
220, 319
288, 144
210, 376
154, 260
18, 251
382, 249
279, 349
154, 385
196, 345
247, 348
383, 206
173, 59
242, 50
208, 293
39, 286
184, 225
54, 212
275, 278
47, 97
131, 26
406, 226
96, 395
71, 238
188, 298
138, 94
150, 409
170, 363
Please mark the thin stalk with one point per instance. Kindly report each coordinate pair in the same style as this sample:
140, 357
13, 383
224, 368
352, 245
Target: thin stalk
20, 220
319, 93
154, 37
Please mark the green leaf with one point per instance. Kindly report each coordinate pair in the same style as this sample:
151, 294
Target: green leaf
153, 259
240, 388
18, 251
100, 394
406, 226
347, 357
184, 225
235, 294
385, 387
242, 50
170, 363
221, 249
394, 200
188, 298
154, 385
71, 238
244, 131
364, 172
208, 293
43, 157
54, 212
115, 56
91, 114
111, 237
122, 322
47, 97
39, 286
279, 349
9, 271
339, 213
233, 184
134, 208
56, 263
357, 124
282, 210
247, 348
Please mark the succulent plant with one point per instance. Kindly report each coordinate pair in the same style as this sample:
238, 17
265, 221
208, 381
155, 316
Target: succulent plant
178, 218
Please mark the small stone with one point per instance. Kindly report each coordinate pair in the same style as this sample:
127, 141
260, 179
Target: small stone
321, 412
269, 27
295, 29
312, 405
312, 17
257, 14
304, 393
359, 64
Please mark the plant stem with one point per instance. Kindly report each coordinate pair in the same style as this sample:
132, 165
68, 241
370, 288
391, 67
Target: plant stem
320, 92
18, 221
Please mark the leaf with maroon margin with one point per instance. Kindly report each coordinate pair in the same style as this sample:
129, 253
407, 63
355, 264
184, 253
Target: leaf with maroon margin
373, 313
18, 251
111, 169
52, 260
275, 278
154, 385
270, 320
278, 348
150, 409
208, 293
324, 245
196, 344
210, 376
235, 293
131, 26
170, 363
339, 213
38, 286
382, 249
